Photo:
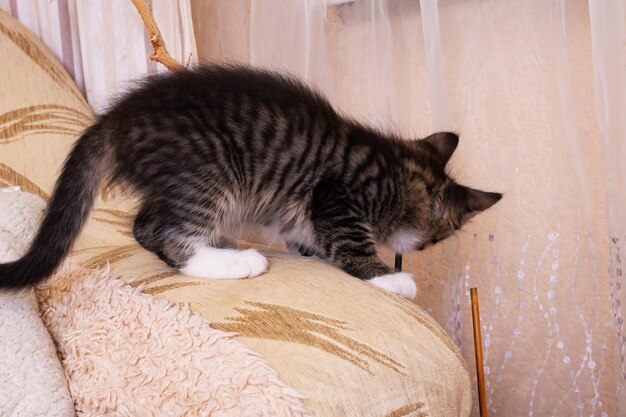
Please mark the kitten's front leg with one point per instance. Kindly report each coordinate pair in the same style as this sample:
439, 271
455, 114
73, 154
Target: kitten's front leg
351, 248
400, 283
376, 272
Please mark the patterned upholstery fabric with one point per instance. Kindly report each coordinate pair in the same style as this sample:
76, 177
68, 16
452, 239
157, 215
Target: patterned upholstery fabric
350, 348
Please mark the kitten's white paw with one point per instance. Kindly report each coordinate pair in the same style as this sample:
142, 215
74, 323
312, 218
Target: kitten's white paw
257, 262
400, 283
216, 263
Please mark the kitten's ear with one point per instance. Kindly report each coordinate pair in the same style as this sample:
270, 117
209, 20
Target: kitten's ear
478, 201
444, 143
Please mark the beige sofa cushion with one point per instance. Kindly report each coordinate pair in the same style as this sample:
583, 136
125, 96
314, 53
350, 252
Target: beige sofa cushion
350, 348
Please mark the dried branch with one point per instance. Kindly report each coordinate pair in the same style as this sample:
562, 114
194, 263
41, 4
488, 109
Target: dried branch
160, 51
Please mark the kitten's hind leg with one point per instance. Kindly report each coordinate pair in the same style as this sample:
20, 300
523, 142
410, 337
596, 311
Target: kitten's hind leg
218, 263
192, 251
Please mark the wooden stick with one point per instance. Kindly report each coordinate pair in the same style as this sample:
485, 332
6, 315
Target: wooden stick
398, 262
478, 350
160, 51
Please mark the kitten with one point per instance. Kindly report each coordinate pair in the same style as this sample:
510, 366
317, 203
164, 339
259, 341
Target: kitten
215, 148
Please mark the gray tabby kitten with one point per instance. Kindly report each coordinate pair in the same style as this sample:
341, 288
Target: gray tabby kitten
214, 148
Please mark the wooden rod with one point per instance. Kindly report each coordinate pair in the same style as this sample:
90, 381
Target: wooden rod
478, 350
398, 262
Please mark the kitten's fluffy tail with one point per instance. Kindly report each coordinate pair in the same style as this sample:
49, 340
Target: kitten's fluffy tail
70, 203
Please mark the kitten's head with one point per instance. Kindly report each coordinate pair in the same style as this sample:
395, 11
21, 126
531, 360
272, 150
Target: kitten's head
450, 205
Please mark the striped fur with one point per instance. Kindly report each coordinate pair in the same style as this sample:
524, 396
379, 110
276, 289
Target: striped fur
213, 149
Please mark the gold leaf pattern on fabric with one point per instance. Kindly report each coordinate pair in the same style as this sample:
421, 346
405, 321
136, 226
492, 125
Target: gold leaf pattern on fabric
35, 52
152, 279
111, 256
119, 223
112, 191
282, 323
166, 287
408, 410
42, 118
9, 177
119, 218
120, 214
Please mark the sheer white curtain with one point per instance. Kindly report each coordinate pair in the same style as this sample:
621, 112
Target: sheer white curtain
536, 90
103, 43
608, 30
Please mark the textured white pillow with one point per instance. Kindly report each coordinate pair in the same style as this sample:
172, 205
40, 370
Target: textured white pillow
32, 382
